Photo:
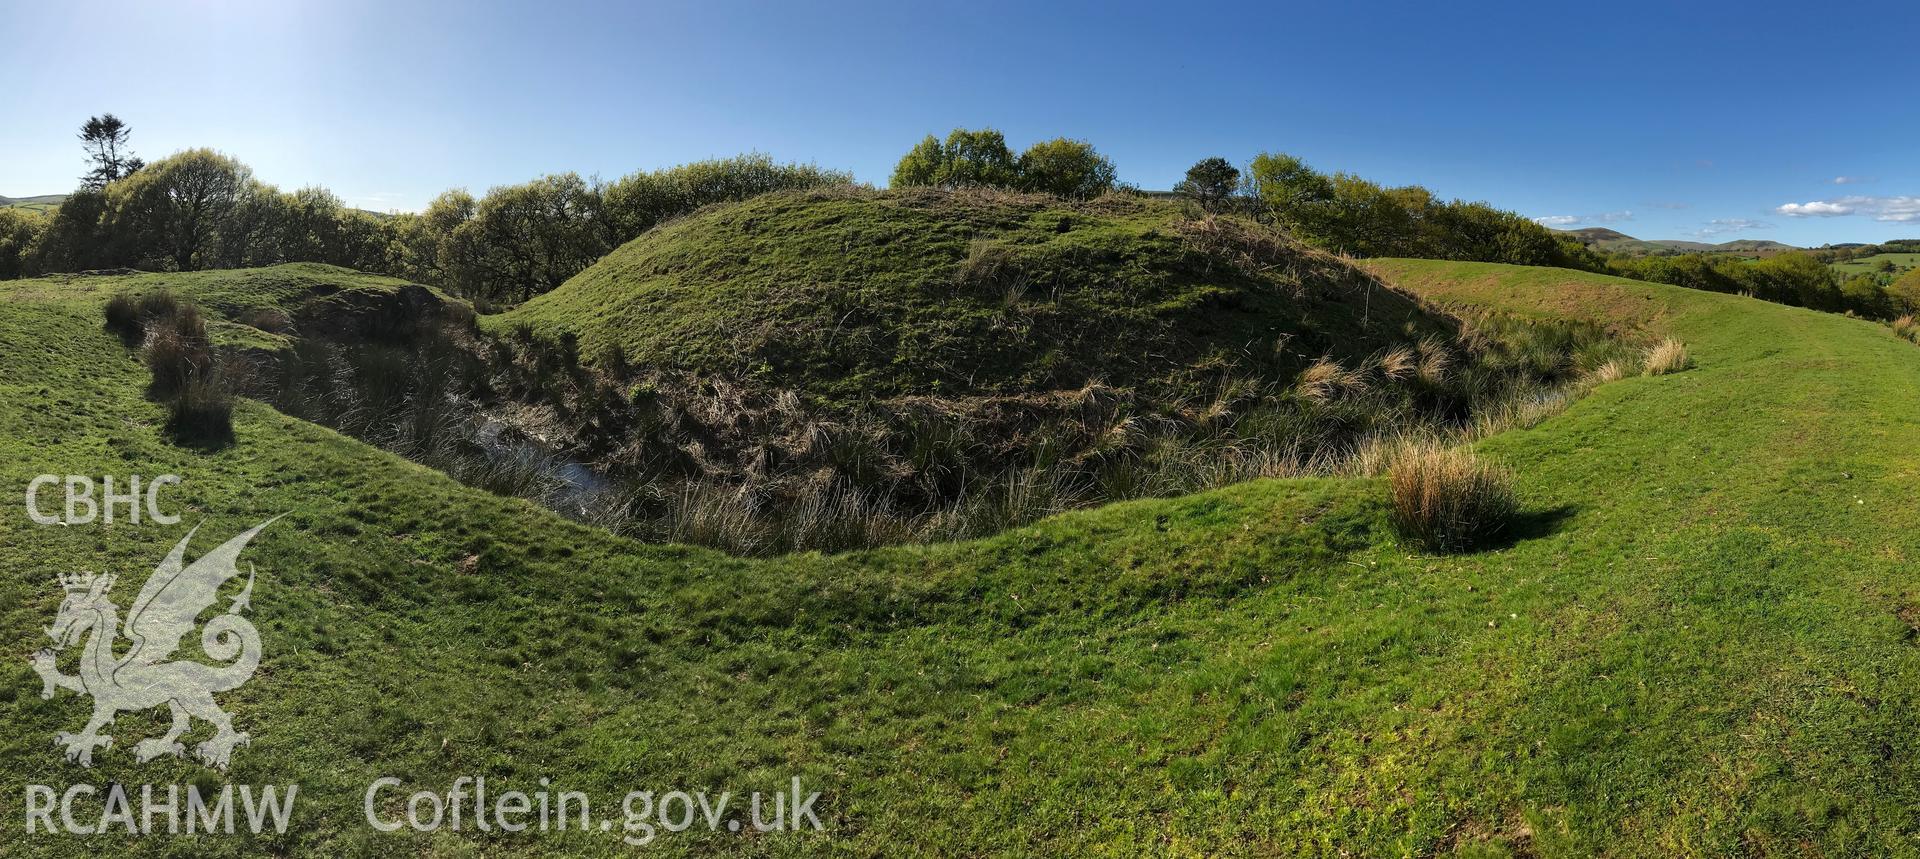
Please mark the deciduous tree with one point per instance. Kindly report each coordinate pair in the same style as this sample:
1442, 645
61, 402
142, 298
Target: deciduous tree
1211, 182
1072, 169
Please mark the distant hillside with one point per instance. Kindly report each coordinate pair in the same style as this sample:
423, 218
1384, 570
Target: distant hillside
1756, 245
1614, 241
42, 203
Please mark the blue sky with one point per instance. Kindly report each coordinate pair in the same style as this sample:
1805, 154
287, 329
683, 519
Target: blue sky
1716, 120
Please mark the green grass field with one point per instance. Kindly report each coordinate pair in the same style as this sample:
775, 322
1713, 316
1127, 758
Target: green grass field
1702, 640
1872, 264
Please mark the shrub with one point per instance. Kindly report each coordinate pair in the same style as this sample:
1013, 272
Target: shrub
1667, 356
1211, 183
1448, 500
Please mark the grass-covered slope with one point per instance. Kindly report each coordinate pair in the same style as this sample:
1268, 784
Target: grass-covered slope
1702, 642
849, 294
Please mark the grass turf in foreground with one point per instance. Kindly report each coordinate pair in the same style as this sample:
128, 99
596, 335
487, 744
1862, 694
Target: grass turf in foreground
1694, 644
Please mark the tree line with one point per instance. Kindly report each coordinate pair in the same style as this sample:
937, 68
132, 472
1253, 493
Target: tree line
1798, 279
1341, 212
202, 209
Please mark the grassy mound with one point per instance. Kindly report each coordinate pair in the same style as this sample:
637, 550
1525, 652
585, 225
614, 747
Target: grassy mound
849, 294
1701, 639
256, 307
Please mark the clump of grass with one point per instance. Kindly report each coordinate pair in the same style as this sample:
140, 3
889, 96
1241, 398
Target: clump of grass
269, 319
1398, 363
1325, 378
123, 319
1667, 356
1907, 328
178, 351
128, 315
200, 413
187, 376
1611, 371
1448, 499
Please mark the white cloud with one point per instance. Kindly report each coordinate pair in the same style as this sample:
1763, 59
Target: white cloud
1816, 208
1722, 226
1570, 220
1848, 180
1903, 210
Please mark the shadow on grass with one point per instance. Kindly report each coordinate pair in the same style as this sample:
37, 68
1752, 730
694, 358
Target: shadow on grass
1529, 525
201, 440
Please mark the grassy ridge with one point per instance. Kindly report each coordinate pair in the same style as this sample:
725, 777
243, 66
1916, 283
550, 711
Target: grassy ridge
1695, 645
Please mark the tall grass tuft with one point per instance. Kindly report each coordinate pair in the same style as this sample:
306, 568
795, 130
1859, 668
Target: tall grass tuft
128, 315
178, 351
1907, 328
187, 376
200, 413
1611, 371
1667, 356
1448, 499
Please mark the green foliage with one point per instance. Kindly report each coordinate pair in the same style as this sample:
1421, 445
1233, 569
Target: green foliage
1350, 215
526, 239
1904, 293
521, 240
976, 159
1795, 278
1288, 191
1069, 169
1211, 182
921, 166
74, 239
199, 209
639, 202
185, 210
20, 236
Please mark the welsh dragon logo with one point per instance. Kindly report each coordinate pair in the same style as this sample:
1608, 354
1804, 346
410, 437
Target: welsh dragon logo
168, 607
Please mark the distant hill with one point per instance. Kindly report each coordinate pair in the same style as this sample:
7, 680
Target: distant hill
1614, 241
1756, 245
49, 202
